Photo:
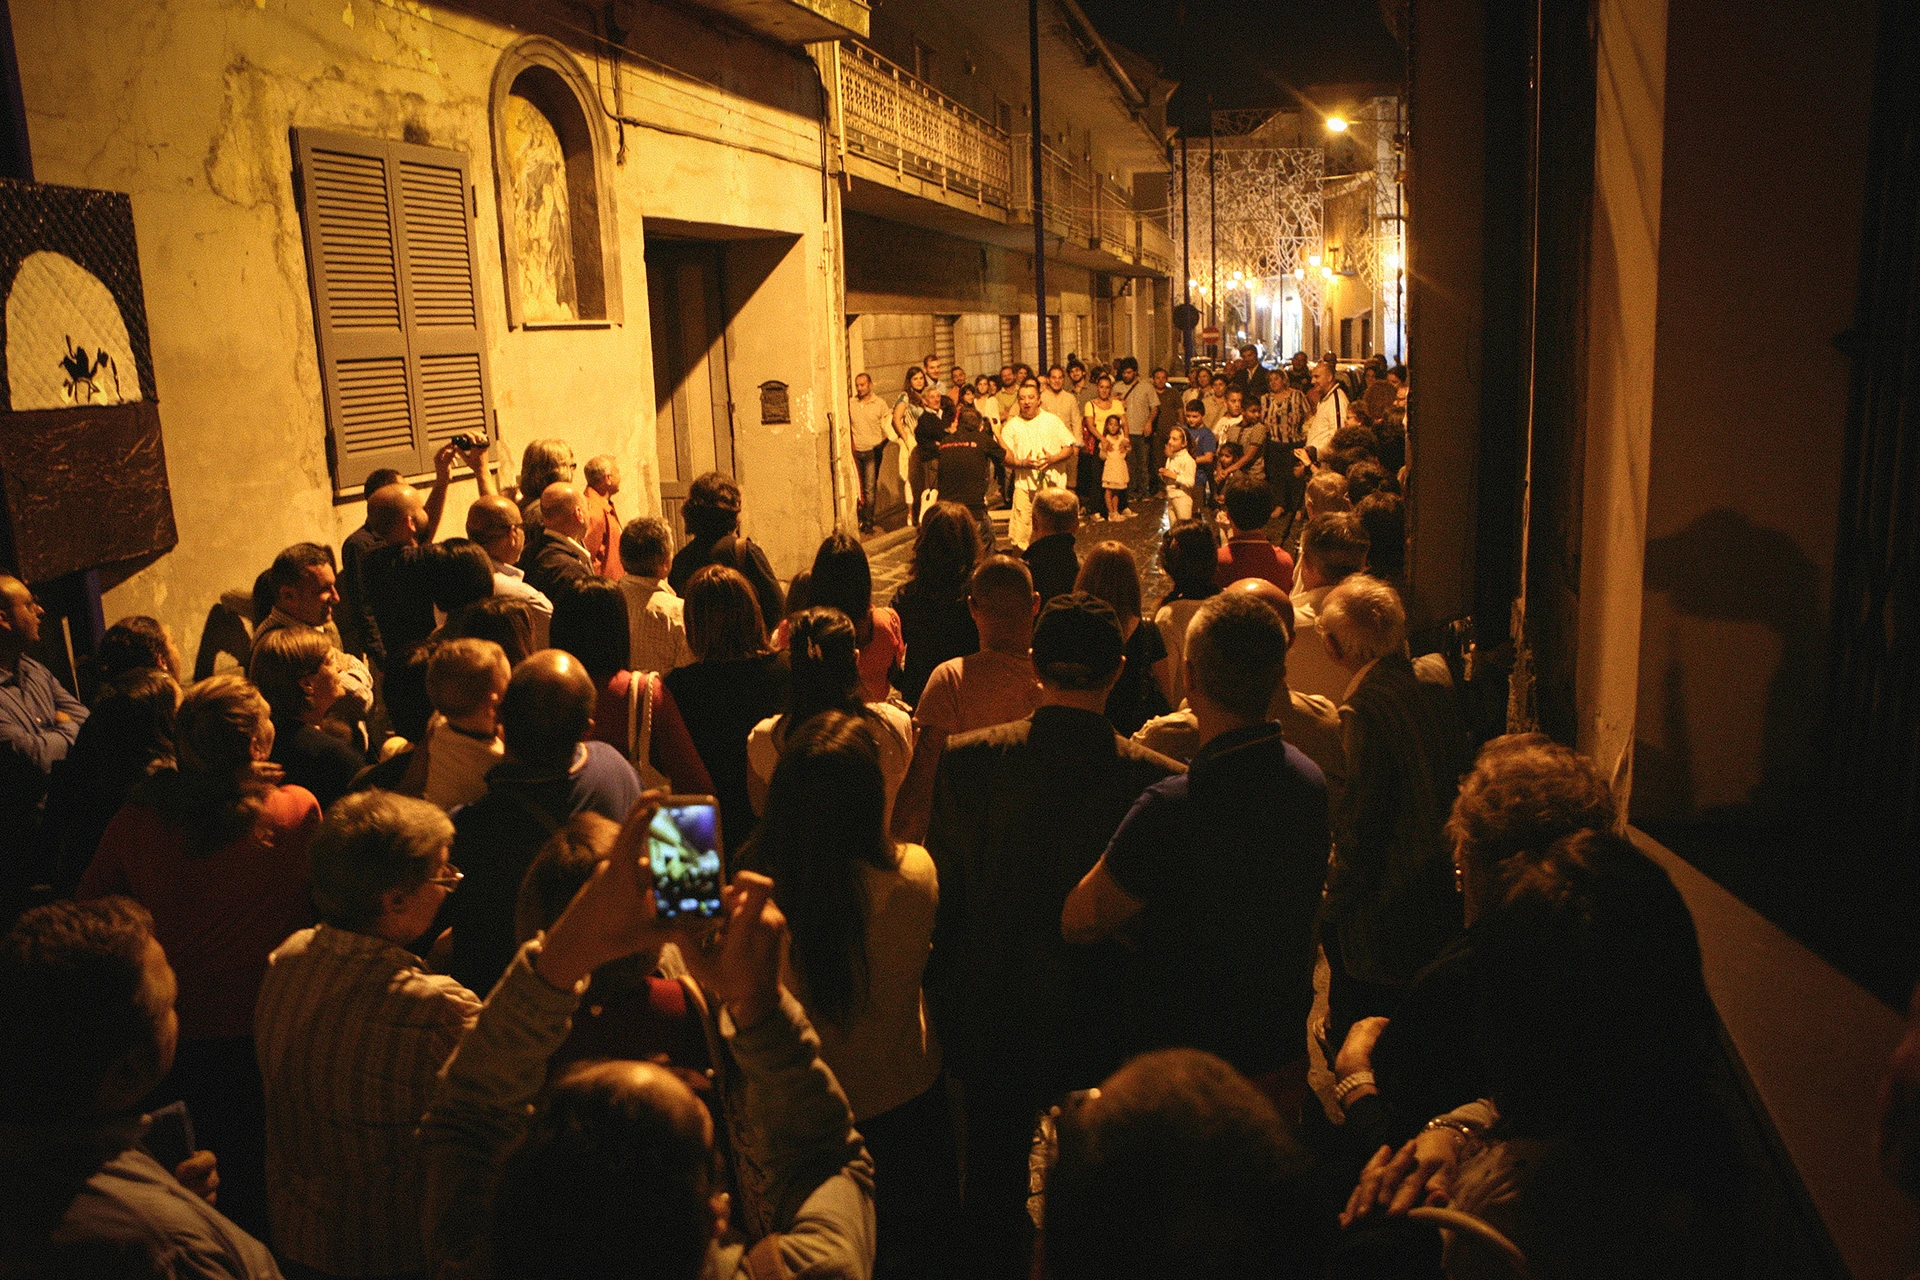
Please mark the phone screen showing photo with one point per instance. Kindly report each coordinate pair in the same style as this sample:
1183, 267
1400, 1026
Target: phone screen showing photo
683, 847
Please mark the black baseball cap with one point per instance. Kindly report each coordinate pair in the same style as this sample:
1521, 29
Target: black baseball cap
1076, 643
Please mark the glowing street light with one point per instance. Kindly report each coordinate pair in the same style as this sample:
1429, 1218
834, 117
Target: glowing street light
1336, 124
1299, 273
1393, 262
1313, 259
1192, 283
1327, 272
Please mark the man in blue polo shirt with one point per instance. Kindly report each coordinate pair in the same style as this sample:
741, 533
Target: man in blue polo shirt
1216, 873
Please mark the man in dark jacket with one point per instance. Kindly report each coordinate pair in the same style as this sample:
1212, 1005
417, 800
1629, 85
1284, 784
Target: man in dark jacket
1051, 556
967, 450
1021, 813
1391, 905
712, 516
558, 560
550, 774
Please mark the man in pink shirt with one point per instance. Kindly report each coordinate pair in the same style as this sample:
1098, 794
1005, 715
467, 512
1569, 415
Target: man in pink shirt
1248, 553
990, 687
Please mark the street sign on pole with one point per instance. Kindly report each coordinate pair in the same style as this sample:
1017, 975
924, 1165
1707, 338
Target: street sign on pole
1210, 334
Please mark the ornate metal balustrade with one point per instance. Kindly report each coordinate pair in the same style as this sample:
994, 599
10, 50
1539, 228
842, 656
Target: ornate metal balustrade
896, 120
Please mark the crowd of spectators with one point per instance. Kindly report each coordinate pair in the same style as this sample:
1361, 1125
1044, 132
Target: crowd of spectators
1062, 928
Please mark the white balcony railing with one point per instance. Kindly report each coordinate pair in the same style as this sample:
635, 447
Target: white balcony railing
896, 120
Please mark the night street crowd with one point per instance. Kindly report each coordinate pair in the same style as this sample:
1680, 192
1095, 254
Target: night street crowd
346, 962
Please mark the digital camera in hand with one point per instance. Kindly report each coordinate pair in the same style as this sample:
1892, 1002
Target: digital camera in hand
683, 848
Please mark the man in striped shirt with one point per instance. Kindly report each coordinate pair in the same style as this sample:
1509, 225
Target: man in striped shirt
351, 1034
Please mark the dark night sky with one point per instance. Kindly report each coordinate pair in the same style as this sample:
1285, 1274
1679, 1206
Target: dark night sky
1255, 53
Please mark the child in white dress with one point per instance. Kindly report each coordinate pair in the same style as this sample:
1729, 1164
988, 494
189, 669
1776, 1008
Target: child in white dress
1113, 478
1180, 473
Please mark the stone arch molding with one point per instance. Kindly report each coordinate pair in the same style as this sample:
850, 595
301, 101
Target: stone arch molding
559, 244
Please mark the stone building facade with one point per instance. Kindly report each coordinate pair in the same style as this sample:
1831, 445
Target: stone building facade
367, 225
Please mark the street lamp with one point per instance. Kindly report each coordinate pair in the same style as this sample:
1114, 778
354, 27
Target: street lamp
1336, 124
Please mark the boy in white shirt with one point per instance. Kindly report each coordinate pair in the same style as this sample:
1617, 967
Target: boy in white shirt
465, 680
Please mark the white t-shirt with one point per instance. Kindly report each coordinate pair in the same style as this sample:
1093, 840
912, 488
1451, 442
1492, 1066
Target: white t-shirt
1033, 438
457, 764
893, 733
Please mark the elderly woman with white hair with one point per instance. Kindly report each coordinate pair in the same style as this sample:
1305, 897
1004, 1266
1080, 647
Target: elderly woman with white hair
1391, 905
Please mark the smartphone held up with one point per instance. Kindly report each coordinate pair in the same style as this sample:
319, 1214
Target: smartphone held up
683, 849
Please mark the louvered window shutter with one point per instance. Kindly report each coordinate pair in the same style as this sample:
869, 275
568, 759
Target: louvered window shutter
396, 300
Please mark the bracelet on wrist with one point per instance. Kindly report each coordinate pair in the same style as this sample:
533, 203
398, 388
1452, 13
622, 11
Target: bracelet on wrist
1346, 1085
1465, 1128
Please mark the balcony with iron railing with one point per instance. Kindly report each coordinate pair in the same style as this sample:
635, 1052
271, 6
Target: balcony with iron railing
916, 139
905, 124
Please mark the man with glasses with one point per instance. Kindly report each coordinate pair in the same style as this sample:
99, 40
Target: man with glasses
351, 1031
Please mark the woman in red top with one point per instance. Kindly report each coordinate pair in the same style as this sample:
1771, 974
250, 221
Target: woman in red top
216, 849
644, 724
842, 579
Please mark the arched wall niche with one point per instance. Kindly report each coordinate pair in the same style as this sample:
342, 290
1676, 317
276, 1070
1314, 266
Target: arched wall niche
559, 245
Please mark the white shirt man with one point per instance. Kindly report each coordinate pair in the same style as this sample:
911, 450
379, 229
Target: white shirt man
495, 523
1038, 447
1057, 398
1332, 410
867, 416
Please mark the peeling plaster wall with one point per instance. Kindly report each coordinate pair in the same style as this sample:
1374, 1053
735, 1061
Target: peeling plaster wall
187, 107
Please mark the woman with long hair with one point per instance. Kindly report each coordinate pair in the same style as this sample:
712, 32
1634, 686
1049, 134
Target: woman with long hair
861, 908
634, 713
1111, 573
1189, 554
843, 579
127, 735
826, 677
293, 669
734, 682
216, 849
935, 622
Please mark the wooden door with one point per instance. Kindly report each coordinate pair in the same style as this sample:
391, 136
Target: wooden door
693, 406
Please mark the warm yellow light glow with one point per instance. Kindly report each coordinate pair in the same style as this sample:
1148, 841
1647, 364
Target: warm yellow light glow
1327, 272
1313, 259
1299, 273
1236, 277
1336, 124
1393, 262
1193, 284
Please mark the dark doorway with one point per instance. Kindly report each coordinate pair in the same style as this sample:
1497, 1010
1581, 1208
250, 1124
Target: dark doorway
695, 410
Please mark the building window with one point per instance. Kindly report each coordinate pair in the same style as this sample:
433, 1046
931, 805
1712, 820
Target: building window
556, 208
403, 364
922, 62
1003, 115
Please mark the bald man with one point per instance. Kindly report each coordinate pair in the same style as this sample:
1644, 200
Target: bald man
559, 560
393, 576
1307, 721
495, 522
603, 520
39, 719
551, 773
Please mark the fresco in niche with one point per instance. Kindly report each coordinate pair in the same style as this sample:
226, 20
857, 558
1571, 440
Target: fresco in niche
537, 180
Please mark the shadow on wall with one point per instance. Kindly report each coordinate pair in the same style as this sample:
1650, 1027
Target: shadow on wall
1729, 716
